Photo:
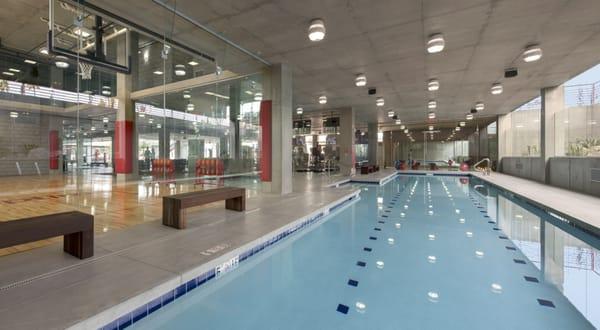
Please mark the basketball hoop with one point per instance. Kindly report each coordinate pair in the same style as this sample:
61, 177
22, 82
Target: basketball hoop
85, 70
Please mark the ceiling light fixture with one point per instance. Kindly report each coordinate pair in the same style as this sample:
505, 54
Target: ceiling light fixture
8, 73
217, 95
105, 120
28, 61
180, 70
258, 97
532, 53
61, 62
193, 63
479, 106
190, 107
186, 94
158, 72
432, 105
431, 127
402, 127
433, 85
360, 80
457, 129
380, 102
316, 30
14, 70
462, 124
436, 43
496, 89
398, 121
14, 114
299, 110
469, 117
44, 50
406, 130
431, 115
322, 99
391, 114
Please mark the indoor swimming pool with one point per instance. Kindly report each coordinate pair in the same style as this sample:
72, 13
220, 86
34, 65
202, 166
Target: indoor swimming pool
420, 252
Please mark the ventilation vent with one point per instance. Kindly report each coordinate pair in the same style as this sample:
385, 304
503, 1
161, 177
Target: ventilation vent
595, 174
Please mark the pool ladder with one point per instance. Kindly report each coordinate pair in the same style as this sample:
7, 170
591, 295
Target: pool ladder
485, 170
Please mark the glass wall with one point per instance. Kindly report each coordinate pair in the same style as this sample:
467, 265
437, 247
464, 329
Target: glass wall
521, 130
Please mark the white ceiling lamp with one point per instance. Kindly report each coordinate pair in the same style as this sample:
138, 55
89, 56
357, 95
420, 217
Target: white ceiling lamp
360, 80
402, 127
61, 62
158, 125
436, 43
406, 130
299, 110
431, 127
322, 99
479, 106
158, 72
106, 90
44, 51
258, 97
14, 114
105, 131
150, 121
28, 61
190, 107
93, 128
496, 89
180, 70
431, 115
186, 94
316, 30
391, 114
432, 105
433, 85
457, 128
398, 121
8, 73
380, 102
105, 120
193, 63
462, 124
469, 117
532, 53
14, 70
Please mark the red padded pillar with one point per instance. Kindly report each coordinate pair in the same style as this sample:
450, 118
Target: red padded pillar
265, 140
53, 150
123, 146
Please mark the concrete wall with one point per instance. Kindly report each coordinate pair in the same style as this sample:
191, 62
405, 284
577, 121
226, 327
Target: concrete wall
531, 168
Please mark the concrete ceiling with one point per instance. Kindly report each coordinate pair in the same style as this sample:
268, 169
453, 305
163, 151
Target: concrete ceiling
385, 39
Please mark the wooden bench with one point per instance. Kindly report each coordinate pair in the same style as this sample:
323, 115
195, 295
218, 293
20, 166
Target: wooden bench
77, 228
174, 206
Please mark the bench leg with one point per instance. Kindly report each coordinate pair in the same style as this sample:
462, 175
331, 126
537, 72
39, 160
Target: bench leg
236, 204
173, 215
80, 244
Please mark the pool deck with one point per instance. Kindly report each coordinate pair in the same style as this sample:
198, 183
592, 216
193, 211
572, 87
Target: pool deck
47, 289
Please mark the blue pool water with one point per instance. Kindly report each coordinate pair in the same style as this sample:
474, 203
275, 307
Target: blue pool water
420, 252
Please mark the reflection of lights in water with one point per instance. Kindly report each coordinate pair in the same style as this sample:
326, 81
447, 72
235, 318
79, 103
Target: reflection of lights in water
405, 206
496, 288
430, 206
360, 307
432, 259
431, 237
390, 241
430, 212
457, 211
469, 234
105, 229
379, 200
536, 227
380, 264
433, 296
479, 254
402, 214
398, 225
461, 220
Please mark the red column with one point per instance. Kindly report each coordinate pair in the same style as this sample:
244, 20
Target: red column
265, 141
53, 150
123, 146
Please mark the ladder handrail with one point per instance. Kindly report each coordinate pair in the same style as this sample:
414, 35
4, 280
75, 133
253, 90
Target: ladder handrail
486, 170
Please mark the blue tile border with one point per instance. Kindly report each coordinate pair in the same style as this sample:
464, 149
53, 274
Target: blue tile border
145, 310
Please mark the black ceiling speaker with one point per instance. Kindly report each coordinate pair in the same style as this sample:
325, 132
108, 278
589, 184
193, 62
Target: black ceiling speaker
511, 72
372, 91
395, 117
473, 110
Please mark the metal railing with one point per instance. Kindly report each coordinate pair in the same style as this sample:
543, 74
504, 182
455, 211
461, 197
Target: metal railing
485, 170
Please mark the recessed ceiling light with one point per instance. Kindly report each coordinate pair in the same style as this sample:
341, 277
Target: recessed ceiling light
496, 89
479, 106
360, 80
398, 121
406, 130
391, 114
8, 73
258, 97
217, 95
190, 107
532, 53
28, 61
106, 92
322, 99
105, 131
158, 125
158, 72
299, 110
186, 94
432, 105
105, 120
14, 114
44, 50
431, 127
316, 30
462, 124
14, 70
469, 117
193, 63
380, 102
431, 115
402, 127
93, 128
180, 70
61, 62
433, 85
436, 43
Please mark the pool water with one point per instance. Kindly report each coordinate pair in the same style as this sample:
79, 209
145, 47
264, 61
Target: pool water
420, 252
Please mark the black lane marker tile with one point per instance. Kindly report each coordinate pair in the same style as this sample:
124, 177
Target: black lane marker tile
491, 221
482, 211
531, 279
352, 282
381, 221
387, 211
502, 237
511, 248
519, 261
361, 263
373, 238
343, 309
486, 216
368, 249
547, 303
495, 228
377, 229
384, 216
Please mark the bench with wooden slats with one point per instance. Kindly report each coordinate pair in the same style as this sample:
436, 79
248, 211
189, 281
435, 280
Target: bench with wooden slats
76, 227
175, 206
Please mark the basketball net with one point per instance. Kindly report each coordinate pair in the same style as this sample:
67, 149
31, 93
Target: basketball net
85, 70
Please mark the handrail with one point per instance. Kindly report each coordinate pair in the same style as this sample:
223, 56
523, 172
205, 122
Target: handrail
485, 170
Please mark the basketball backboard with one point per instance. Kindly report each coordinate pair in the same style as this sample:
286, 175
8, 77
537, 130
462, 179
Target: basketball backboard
81, 33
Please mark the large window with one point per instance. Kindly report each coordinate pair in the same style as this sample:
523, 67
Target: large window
520, 130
